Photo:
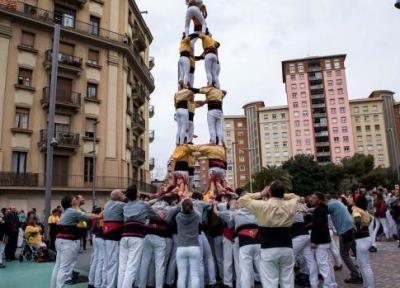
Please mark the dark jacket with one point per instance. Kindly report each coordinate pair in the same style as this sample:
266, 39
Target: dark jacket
320, 228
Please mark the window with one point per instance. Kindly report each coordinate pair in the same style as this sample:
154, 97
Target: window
342, 110
359, 139
332, 101
337, 149
338, 73
365, 108
333, 110
339, 81
240, 134
306, 132
377, 127
360, 148
344, 129
293, 77
92, 91
294, 86
340, 91
298, 133
22, 118
379, 147
283, 115
296, 114
336, 63
341, 100
302, 86
298, 142
242, 168
241, 158
343, 120
28, 39
93, 57
308, 141
273, 116
357, 119
19, 162
304, 104
300, 67
328, 65
366, 118
331, 92
303, 94
284, 144
356, 110
334, 120
292, 69
336, 139
370, 147
338, 159
375, 108
301, 76
240, 124
335, 130
294, 95
330, 82
367, 128
295, 104
90, 124
376, 118
346, 139
64, 16
24, 77
240, 142
329, 73
305, 113
346, 148
276, 145
306, 122
284, 135
88, 169
358, 128
94, 25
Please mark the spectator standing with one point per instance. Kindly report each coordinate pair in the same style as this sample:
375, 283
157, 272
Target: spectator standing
53, 221
380, 218
12, 225
21, 216
2, 239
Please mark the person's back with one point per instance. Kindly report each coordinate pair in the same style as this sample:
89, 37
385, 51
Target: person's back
188, 229
340, 216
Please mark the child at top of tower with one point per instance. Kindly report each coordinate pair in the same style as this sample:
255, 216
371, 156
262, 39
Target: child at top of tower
196, 12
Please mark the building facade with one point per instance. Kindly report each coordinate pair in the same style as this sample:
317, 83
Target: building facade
200, 179
103, 83
275, 141
319, 110
236, 139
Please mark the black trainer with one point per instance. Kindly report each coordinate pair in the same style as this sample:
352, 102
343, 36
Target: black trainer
354, 280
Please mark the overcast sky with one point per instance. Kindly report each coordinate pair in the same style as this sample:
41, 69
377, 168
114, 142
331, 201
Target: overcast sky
256, 36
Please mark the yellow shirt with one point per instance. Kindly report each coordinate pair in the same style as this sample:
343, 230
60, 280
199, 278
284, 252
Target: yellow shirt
32, 235
210, 151
192, 105
81, 224
192, 160
182, 153
274, 212
364, 215
208, 42
185, 45
182, 95
212, 93
53, 219
192, 61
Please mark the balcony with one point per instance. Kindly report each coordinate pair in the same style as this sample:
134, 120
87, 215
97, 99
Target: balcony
322, 134
320, 125
138, 124
315, 77
81, 182
151, 164
138, 156
139, 95
322, 144
22, 11
317, 106
65, 100
319, 115
323, 154
317, 87
151, 111
318, 96
151, 63
69, 63
151, 136
67, 142
77, 3
139, 40
314, 69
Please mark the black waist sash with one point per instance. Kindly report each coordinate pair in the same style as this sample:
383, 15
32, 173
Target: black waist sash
185, 54
191, 116
182, 104
212, 163
134, 229
214, 105
68, 232
275, 237
182, 166
248, 234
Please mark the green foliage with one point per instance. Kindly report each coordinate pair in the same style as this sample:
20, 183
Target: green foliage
303, 175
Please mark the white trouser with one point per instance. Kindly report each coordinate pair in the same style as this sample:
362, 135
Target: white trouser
190, 132
153, 245
184, 69
217, 173
302, 247
335, 250
111, 263
392, 227
182, 119
170, 277
277, 267
362, 246
215, 119
191, 79
168, 250
228, 247
249, 256
378, 223
237, 261
325, 266
130, 254
67, 254
194, 11
2, 248
207, 259
188, 258
218, 70
218, 254
211, 65
97, 270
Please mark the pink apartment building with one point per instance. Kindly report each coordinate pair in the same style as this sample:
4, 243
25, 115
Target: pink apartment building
319, 110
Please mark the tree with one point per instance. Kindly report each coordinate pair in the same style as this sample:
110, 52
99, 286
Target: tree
269, 174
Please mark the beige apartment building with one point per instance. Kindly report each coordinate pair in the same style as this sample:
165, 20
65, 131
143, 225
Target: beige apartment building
275, 141
236, 139
103, 77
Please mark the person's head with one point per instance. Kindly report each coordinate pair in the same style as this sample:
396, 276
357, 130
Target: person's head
117, 195
379, 197
197, 196
277, 189
131, 193
81, 200
174, 199
54, 212
67, 201
31, 218
97, 210
317, 198
34, 210
361, 202
187, 206
13, 209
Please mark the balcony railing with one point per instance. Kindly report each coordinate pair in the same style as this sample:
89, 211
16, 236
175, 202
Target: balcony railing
151, 136
316, 77
316, 87
65, 140
314, 69
78, 3
65, 61
318, 96
138, 123
63, 98
138, 156
322, 105
322, 134
151, 164
322, 144
151, 111
320, 125
139, 95
323, 154
11, 179
50, 17
319, 115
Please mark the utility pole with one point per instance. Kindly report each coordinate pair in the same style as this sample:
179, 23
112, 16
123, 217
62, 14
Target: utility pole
234, 164
94, 163
249, 150
51, 141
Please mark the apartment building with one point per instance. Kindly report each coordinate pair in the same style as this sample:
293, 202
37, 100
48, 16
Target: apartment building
236, 139
275, 143
200, 179
319, 110
104, 83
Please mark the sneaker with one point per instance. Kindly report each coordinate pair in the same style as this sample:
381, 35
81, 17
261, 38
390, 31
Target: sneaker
338, 268
354, 280
90, 286
71, 282
373, 249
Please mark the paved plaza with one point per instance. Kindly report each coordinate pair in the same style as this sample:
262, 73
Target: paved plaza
385, 264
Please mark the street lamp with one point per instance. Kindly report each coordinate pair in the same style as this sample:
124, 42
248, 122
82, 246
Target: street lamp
234, 163
249, 150
94, 162
397, 4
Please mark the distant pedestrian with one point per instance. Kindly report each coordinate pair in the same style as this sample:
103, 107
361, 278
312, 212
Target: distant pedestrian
12, 225
2, 239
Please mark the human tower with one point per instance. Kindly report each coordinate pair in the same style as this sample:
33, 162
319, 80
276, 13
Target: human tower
184, 157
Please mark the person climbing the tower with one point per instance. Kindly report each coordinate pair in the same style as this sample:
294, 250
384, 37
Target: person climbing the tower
180, 160
215, 115
196, 12
192, 106
185, 62
181, 99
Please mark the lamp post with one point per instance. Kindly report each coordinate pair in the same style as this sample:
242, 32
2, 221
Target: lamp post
94, 163
234, 163
249, 150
